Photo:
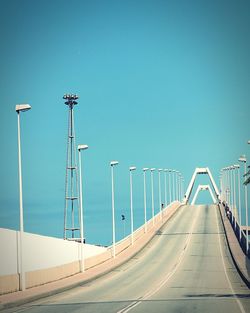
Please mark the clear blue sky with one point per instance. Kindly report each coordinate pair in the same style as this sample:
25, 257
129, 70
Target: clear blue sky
161, 83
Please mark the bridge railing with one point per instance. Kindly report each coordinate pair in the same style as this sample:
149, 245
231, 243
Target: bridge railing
239, 232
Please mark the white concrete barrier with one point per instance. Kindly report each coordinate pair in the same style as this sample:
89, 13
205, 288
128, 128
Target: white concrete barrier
47, 259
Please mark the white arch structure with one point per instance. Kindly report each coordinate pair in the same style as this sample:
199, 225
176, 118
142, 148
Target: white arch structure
202, 188
201, 171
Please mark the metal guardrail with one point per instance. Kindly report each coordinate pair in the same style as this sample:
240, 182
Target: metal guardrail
239, 233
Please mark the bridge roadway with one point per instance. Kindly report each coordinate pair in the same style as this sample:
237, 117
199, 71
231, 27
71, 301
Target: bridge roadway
185, 268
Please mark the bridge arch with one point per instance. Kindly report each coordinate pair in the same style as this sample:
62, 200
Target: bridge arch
202, 188
202, 171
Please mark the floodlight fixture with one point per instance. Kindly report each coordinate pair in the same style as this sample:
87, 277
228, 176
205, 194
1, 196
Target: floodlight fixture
71, 99
145, 169
152, 169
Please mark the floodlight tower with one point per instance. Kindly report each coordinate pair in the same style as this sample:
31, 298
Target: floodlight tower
71, 210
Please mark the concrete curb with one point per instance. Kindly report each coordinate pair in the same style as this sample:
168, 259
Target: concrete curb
241, 262
122, 258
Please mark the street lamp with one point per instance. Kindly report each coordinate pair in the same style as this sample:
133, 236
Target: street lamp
234, 190
159, 178
182, 188
112, 164
173, 180
21, 108
145, 198
179, 182
239, 196
80, 148
224, 183
231, 188
243, 159
165, 186
152, 194
131, 169
176, 184
169, 185
228, 186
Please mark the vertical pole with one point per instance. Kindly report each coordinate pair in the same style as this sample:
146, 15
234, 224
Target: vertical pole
231, 188
239, 200
247, 237
179, 186
22, 273
159, 178
165, 188
145, 201
235, 212
152, 197
176, 184
173, 179
113, 210
169, 186
131, 208
81, 212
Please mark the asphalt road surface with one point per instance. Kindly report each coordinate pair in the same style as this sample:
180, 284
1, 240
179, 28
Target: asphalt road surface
185, 268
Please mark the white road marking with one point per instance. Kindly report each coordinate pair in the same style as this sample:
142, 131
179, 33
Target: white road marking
168, 276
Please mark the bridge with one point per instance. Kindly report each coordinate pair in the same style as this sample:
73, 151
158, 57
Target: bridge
188, 259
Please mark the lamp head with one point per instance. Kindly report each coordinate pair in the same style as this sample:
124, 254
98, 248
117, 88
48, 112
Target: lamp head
145, 169
82, 147
132, 168
22, 107
243, 158
113, 163
152, 169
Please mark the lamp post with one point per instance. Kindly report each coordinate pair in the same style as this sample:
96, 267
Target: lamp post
159, 184
228, 187
183, 187
152, 194
21, 108
145, 169
165, 187
176, 183
243, 159
173, 180
112, 164
223, 185
131, 169
169, 185
231, 188
239, 196
180, 186
80, 148
234, 190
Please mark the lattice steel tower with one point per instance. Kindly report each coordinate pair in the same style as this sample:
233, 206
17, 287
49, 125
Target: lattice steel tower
71, 210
